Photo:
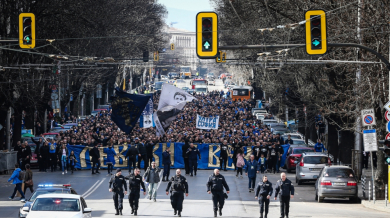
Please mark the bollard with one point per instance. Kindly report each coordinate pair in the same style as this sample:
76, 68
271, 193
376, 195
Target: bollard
364, 187
369, 191
373, 192
386, 194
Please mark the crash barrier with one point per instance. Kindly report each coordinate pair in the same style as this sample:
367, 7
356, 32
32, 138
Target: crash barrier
8, 160
209, 155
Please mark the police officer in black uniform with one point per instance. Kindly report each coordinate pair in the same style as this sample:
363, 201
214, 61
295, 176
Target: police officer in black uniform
131, 155
215, 185
285, 189
263, 193
193, 153
135, 183
223, 155
179, 187
116, 185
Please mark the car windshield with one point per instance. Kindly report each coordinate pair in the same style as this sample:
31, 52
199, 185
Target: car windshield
301, 151
299, 142
56, 204
339, 172
295, 137
47, 191
200, 89
315, 160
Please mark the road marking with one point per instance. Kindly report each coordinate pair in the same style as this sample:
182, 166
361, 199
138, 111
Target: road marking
90, 188
94, 189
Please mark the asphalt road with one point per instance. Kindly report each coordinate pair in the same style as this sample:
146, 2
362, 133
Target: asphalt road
241, 203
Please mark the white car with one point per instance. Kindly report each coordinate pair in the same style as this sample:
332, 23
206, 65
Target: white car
294, 136
211, 82
59, 206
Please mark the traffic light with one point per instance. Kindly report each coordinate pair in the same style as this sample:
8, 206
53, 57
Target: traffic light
221, 58
316, 42
206, 35
145, 56
27, 30
386, 151
156, 56
172, 46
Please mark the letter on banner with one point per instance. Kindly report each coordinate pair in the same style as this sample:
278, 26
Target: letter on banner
83, 162
120, 155
212, 156
248, 152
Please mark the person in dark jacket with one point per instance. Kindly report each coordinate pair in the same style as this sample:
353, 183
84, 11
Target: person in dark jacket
38, 144
116, 185
95, 154
285, 189
142, 154
131, 155
215, 185
185, 156
135, 182
103, 140
25, 155
153, 178
45, 156
149, 151
28, 180
166, 155
193, 154
179, 187
251, 169
289, 140
223, 155
263, 193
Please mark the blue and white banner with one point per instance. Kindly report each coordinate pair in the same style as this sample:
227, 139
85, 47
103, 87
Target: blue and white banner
207, 122
146, 119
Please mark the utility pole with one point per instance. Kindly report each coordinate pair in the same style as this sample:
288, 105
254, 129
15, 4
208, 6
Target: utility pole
8, 129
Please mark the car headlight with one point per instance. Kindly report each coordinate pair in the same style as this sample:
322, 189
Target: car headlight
22, 213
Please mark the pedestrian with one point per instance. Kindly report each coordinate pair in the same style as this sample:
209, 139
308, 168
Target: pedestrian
72, 161
131, 156
110, 158
263, 193
63, 153
289, 140
149, 151
262, 162
116, 185
185, 155
135, 183
215, 186
17, 179
272, 158
95, 153
193, 153
319, 147
285, 189
251, 170
166, 155
152, 177
28, 179
39, 144
53, 155
25, 155
142, 154
179, 187
45, 156
236, 147
240, 161
223, 155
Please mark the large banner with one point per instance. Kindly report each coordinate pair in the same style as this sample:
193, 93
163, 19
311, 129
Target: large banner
207, 122
146, 119
209, 154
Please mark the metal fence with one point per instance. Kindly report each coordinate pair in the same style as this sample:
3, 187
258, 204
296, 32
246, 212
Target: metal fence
8, 160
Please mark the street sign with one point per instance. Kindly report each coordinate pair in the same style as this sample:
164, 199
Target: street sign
387, 136
387, 106
387, 115
388, 127
368, 117
369, 139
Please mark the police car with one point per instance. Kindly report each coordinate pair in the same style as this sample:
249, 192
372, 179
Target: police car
59, 206
46, 189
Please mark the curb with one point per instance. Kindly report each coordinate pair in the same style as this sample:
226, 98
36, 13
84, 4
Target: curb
378, 206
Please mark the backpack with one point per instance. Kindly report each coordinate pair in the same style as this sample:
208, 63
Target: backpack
21, 175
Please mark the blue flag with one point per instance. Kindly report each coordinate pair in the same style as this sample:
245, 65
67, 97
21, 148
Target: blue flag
126, 109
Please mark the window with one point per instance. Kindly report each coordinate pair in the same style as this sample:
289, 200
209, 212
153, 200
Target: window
241, 92
56, 204
340, 172
301, 151
46, 191
315, 160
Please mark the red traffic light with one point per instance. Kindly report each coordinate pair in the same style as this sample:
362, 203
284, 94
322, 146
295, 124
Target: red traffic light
206, 23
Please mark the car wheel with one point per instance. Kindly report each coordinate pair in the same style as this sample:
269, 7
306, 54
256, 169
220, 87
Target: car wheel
319, 199
316, 197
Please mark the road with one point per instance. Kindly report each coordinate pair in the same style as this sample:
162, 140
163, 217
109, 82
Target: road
241, 203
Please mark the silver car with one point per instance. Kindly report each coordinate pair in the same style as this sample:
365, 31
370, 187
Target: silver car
336, 182
309, 166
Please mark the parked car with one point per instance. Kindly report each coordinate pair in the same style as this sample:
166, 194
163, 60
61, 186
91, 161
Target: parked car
261, 110
298, 142
293, 154
211, 82
309, 166
280, 131
260, 116
268, 121
336, 182
51, 135
294, 136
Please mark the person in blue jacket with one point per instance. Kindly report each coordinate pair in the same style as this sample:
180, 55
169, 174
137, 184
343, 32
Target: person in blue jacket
17, 182
193, 153
110, 158
319, 147
53, 155
251, 169
166, 155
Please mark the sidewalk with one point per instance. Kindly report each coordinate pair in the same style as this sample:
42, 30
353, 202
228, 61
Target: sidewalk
379, 205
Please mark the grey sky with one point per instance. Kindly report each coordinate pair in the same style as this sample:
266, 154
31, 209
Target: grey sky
184, 12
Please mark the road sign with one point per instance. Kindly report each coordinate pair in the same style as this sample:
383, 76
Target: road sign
369, 139
387, 106
387, 136
368, 117
388, 127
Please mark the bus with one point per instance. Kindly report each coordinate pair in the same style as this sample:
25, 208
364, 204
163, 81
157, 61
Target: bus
185, 72
195, 82
241, 92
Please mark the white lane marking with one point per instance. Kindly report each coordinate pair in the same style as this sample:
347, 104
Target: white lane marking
94, 189
90, 188
146, 197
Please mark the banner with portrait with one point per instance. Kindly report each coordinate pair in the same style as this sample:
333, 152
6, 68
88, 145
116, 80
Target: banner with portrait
207, 122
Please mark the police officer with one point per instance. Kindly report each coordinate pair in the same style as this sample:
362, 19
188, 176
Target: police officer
180, 186
116, 185
285, 189
131, 155
193, 153
263, 193
223, 155
135, 182
215, 185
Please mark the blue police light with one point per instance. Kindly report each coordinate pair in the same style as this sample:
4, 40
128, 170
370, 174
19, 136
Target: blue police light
45, 185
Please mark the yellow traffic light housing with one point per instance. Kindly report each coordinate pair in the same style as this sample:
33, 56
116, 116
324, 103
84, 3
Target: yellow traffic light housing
172, 46
316, 42
156, 57
27, 30
221, 58
207, 35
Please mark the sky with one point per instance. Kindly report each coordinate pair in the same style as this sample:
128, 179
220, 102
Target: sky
184, 12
